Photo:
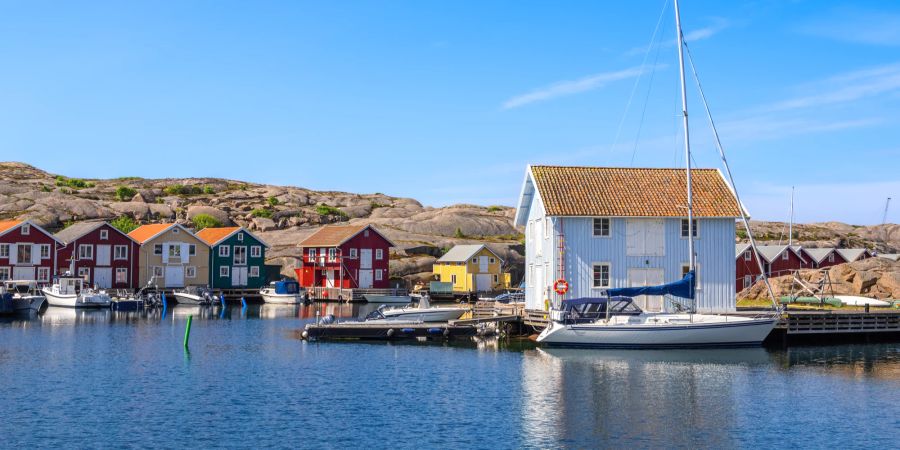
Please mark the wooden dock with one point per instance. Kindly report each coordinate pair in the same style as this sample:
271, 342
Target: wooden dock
387, 331
349, 295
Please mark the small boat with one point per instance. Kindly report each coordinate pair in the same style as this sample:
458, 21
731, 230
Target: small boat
853, 300
395, 299
71, 292
195, 295
424, 312
285, 292
25, 295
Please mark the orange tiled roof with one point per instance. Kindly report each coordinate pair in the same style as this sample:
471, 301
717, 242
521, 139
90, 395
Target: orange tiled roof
7, 224
144, 232
332, 235
212, 235
632, 192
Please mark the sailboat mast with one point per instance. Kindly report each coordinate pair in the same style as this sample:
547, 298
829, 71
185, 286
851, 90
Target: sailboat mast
791, 226
687, 139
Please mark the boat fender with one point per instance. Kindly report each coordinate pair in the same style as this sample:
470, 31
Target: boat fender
407, 330
328, 319
390, 332
304, 334
434, 331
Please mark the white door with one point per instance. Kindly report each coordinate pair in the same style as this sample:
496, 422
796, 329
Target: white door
366, 277
103, 255
483, 264
103, 275
483, 282
365, 258
174, 276
23, 273
647, 277
238, 276
329, 278
645, 237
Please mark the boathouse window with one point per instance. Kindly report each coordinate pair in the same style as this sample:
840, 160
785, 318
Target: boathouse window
475, 260
4, 250
496, 278
224, 271
26, 229
121, 275
224, 251
748, 281
85, 251
491, 260
601, 227
785, 256
174, 252
4, 273
747, 256
379, 253
831, 257
378, 275
158, 271
684, 228
241, 237
43, 274
601, 275
120, 252
45, 251
157, 249
240, 256
255, 251
104, 235
352, 253
366, 233
332, 254
23, 253
192, 250
190, 272
254, 272
84, 272
312, 255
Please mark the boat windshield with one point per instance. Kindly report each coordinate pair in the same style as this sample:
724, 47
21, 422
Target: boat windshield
590, 309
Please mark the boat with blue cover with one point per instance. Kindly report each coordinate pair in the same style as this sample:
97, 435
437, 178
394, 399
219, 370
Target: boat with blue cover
284, 292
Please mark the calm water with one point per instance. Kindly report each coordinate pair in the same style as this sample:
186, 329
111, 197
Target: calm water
101, 379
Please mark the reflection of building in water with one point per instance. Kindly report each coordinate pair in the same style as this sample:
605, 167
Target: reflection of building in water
648, 398
852, 361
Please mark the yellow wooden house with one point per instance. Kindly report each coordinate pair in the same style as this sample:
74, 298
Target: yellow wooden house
471, 268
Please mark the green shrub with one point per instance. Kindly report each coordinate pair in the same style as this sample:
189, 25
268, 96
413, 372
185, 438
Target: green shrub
202, 221
459, 234
75, 183
177, 189
325, 210
262, 212
272, 201
125, 193
375, 205
124, 224
45, 188
208, 190
494, 208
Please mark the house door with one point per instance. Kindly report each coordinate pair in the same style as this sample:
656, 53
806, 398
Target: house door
483, 282
23, 273
103, 275
647, 277
329, 278
365, 278
365, 258
483, 264
174, 276
103, 255
238, 276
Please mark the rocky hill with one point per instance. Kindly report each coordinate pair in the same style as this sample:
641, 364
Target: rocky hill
882, 238
281, 215
872, 277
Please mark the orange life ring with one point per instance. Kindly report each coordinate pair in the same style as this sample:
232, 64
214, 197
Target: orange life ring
561, 286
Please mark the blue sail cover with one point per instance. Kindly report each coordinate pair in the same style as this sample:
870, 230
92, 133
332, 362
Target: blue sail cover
683, 288
287, 287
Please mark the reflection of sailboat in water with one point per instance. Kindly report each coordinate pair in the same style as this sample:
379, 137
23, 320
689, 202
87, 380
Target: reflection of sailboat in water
710, 356
57, 315
591, 322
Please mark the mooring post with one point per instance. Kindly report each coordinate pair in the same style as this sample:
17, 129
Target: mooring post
222, 298
187, 330
164, 306
243, 303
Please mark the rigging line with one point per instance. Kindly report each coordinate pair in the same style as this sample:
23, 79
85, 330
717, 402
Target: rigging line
734, 189
637, 138
640, 75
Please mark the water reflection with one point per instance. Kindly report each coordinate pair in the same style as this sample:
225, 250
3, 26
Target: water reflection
876, 361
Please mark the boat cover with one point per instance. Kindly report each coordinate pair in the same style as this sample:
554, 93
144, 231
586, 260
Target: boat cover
683, 288
287, 287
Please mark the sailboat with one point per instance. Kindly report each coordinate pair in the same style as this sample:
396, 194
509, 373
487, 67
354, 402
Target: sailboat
616, 322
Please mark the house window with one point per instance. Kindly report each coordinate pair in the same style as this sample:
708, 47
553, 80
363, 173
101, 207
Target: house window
85, 251
4, 273
45, 251
366, 233
158, 271
312, 255
831, 257
224, 251
747, 256
192, 250
475, 260
120, 252
332, 254
175, 230
379, 253
26, 229
685, 268
491, 260
496, 278
452, 277
254, 272
378, 275
43, 274
352, 253
601, 227
240, 256
748, 281
85, 272
785, 256
23, 253
4, 250
255, 251
121, 275
224, 271
174, 252
190, 272
601, 275
157, 249
684, 227
104, 235
241, 237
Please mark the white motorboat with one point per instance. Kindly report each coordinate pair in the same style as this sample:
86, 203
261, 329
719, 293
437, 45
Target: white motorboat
195, 295
71, 292
424, 312
393, 299
286, 292
26, 296
585, 323
853, 300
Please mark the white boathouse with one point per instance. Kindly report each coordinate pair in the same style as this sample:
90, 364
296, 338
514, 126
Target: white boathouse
603, 227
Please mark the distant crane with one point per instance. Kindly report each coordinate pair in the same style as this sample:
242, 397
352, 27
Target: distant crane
887, 204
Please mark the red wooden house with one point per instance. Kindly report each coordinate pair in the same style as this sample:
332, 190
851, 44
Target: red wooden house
777, 260
820, 258
346, 256
100, 253
747, 267
854, 254
27, 252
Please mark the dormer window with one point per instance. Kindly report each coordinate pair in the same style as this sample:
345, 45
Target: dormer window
785, 256
831, 257
747, 256
175, 230
241, 237
104, 235
26, 229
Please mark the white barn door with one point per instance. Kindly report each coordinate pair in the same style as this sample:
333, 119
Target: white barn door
238, 276
365, 258
103, 255
365, 277
647, 277
103, 276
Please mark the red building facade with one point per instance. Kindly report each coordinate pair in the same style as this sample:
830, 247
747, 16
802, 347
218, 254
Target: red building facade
100, 253
747, 267
345, 256
27, 252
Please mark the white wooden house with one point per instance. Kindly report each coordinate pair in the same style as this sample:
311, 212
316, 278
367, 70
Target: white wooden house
600, 227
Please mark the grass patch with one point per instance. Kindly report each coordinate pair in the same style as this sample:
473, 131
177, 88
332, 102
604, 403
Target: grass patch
262, 212
202, 221
494, 208
74, 183
273, 201
178, 189
325, 210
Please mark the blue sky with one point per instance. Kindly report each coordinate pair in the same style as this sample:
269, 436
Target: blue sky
447, 102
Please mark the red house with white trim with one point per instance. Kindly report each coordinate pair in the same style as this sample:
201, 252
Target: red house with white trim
777, 260
345, 256
820, 258
747, 267
27, 252
100, 253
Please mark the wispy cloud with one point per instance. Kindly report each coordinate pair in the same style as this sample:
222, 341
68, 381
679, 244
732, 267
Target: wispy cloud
564, 88
859, 26
773, 127
718, 25
846, 88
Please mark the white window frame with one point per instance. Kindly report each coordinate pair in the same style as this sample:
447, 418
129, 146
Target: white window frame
84, 272
379, 254
4, 250
234, 254
192, 250
43, 274
158, 272
546, 227
5, 273
353, 253
453, 278
747, 255
491, 260
224, 271
21, 250
124, 277
254, 272
683, 231
256, 251
311, 255
831, 257
786, 255
332, 254
104, 235
240, 237
82, 254
190, 271
45, 251
378, 275
224, 251
594, 267
748, 281
174, 252
475, 260
26, 229
608, 227
124, 253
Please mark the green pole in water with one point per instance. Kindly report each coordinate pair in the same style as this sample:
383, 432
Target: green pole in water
187, 331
